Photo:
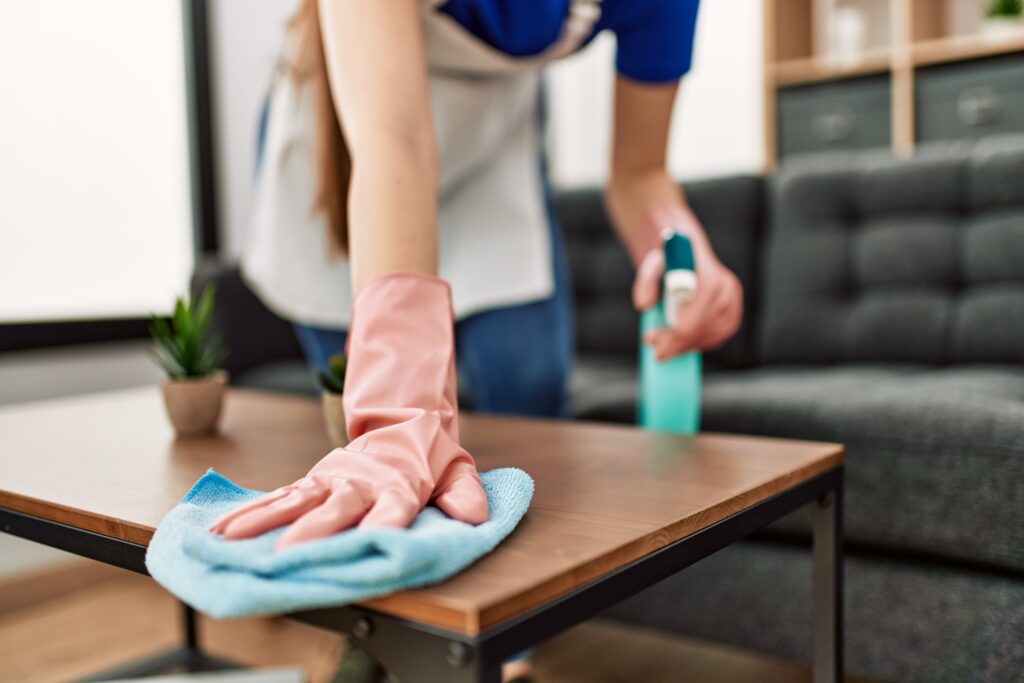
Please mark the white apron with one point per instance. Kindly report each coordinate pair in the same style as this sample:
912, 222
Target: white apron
494, 242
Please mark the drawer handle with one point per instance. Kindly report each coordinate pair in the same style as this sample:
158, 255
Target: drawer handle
978, 106
834, 126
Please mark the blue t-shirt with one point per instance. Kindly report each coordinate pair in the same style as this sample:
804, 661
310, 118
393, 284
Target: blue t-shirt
655, 37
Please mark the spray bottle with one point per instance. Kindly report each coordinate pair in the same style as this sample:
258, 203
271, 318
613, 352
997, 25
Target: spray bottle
670, 390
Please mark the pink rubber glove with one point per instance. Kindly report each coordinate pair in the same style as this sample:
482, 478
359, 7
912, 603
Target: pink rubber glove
402, 419
709, 318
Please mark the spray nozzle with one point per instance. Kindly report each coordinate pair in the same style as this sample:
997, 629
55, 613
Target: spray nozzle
680, 279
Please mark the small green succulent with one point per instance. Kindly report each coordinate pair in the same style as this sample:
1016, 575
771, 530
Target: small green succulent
184, 347
333, 380
1005, 8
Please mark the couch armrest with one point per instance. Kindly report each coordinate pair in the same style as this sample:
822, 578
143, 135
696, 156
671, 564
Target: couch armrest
254, 336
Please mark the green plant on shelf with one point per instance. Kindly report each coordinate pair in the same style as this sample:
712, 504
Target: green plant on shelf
333, 379
1005, 8
184, 347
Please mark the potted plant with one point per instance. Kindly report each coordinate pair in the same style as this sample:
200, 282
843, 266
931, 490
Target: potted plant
191, 357
332, 382
1003, 19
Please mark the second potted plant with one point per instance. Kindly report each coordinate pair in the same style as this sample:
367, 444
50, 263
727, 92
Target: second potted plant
191, 357
332, 383
1003, 19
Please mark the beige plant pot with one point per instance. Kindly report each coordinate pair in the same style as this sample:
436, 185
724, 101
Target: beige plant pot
334, 418
194, 405
997, 29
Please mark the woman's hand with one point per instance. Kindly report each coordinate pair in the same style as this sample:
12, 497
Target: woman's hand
349, 488
399, 397
711, 316
402, 416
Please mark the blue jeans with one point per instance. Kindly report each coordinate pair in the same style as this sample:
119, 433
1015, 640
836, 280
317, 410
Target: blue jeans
514, 360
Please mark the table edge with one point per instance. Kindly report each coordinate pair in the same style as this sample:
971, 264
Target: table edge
452, 616
408, 605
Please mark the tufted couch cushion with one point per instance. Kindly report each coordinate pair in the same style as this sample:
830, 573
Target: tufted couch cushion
875, 258
934, 455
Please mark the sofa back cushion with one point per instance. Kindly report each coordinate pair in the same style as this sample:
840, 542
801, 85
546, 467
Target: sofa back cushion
606, 323
731, 210
874, 258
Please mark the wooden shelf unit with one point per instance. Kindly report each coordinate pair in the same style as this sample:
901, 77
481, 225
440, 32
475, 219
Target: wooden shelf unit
815, 69
956, 48
918, 34
922, 53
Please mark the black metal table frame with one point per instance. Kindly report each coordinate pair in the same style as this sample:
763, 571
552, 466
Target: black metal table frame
418, 653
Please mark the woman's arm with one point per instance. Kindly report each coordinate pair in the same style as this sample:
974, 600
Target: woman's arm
378, 75
644, 200
639, 179
400, 391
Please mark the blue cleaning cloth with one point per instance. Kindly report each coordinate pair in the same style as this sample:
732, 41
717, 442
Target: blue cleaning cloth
243, 578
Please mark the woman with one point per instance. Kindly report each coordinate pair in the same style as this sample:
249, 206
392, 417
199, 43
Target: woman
427, 161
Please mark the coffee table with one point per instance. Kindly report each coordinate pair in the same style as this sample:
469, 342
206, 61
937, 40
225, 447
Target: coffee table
616, 510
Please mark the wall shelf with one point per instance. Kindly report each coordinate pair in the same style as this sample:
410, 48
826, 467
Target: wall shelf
956, 48
815, 69
901, 38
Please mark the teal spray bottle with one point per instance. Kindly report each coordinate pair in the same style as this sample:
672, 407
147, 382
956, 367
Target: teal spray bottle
670, 390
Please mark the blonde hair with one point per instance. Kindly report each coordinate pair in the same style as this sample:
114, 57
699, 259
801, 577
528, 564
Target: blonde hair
332, 162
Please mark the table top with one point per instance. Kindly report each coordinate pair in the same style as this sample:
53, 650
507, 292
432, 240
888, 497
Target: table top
605, 495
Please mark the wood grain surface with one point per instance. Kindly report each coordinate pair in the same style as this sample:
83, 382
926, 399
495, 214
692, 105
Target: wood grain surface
606, 495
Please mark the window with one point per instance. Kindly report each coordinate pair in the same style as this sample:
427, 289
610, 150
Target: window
95, 198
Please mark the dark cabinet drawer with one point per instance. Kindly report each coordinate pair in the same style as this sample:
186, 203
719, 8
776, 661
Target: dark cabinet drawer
970, 99
848, 114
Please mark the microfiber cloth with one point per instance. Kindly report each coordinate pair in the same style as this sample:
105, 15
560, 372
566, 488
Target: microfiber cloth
246, 577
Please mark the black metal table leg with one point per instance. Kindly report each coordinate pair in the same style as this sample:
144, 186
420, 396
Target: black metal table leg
826, 523
189, 658
408, 652
415, 652
189, 627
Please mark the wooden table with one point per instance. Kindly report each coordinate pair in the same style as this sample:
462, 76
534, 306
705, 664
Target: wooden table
615, 510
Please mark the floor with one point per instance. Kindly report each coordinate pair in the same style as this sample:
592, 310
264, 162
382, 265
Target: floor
53, 631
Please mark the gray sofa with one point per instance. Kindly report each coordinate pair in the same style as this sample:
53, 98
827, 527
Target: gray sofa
885, 310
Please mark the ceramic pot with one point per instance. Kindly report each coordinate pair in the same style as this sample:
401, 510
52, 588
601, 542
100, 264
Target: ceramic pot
1002, 28
194, 404
334, 418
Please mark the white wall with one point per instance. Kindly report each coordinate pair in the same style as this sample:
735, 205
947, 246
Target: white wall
246, 36
718, 129
717, 126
